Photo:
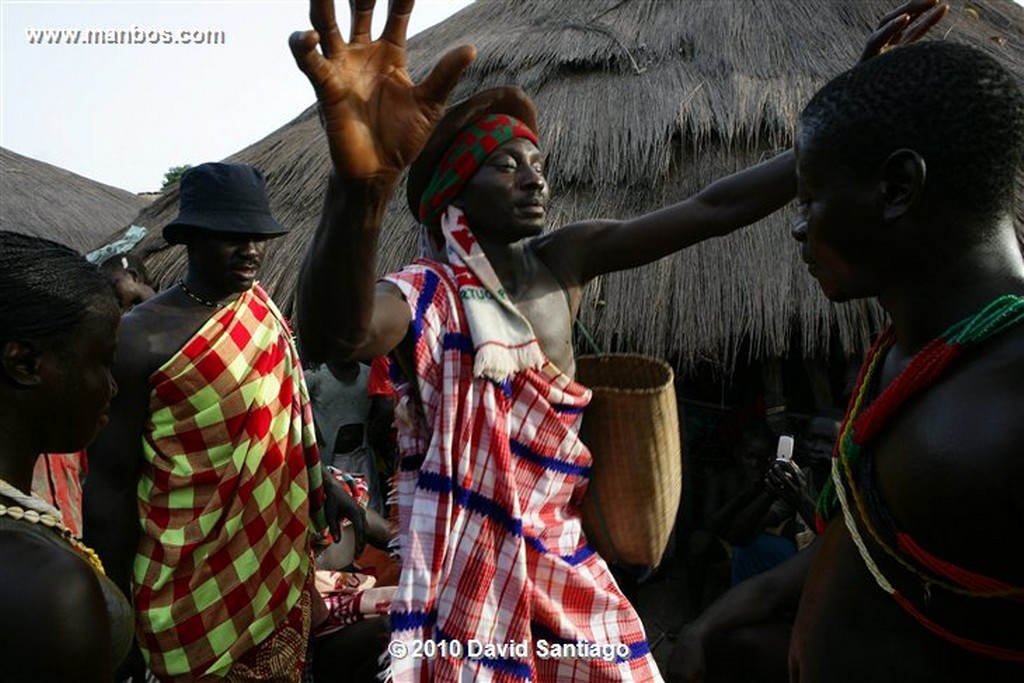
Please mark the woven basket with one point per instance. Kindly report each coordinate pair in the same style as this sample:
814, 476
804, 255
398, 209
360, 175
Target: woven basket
632, 429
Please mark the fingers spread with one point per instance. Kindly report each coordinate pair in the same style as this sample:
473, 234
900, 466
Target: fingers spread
362, 20
321, 15
925, 23
913, 8
398, 22
891, 31
880, 39
443, 78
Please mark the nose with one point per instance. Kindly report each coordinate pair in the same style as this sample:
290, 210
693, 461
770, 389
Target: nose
533, 179
113, 386
252, 248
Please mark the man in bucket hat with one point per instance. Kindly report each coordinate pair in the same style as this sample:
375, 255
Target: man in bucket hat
497, 578
205, 489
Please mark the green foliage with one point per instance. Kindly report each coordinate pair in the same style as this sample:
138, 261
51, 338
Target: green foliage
173, 175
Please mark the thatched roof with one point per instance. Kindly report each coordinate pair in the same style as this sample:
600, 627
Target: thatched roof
39, 199
642, 103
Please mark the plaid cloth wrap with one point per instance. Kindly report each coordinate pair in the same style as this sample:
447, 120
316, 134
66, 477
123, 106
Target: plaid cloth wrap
229, 494
490, 476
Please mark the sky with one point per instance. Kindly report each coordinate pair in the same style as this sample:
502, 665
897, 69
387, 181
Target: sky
123, 114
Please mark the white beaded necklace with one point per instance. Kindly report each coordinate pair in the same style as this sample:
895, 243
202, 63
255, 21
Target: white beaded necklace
35, 510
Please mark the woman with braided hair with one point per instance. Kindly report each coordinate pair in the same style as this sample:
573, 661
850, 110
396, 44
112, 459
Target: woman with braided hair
58, 330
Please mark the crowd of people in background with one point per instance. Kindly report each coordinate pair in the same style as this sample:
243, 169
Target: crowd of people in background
192, 491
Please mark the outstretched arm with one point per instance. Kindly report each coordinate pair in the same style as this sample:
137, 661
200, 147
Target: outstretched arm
588, 249
724, 206
376, 120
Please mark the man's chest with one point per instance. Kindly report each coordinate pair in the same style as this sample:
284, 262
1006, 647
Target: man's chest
547, 310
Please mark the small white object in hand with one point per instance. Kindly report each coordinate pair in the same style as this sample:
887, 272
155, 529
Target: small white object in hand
785, 448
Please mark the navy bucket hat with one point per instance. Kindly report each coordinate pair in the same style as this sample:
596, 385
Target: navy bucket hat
221, 197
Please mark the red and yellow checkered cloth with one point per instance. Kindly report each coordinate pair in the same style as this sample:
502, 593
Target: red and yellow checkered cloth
493, 551
229, 494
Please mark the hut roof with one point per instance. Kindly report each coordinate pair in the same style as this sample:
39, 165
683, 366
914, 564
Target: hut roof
642, 103
39, 199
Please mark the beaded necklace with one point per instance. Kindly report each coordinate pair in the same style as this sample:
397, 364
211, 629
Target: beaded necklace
37, 511
195, 297
852, 468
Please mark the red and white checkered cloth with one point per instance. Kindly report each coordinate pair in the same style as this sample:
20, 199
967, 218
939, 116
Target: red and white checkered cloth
493, 551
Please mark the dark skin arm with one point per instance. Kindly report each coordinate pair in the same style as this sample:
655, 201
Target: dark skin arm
744, 517
341, 505
750, 602
109, 501
583, 251
110, 513
111, 518
377, 120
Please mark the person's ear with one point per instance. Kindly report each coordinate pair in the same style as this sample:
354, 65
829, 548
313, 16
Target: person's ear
903, 181
21, 363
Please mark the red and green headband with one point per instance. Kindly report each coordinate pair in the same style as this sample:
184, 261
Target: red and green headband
463, 158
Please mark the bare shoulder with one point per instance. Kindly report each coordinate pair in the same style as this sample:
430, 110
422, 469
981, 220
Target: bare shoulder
51, 596
993, 377
980, 397
997, 373
564, 250
155, 330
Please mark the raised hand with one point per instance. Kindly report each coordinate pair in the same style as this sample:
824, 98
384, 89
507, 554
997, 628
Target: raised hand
376, 119
903, 26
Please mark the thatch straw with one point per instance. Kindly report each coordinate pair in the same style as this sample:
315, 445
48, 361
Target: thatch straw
642, 102
39, 199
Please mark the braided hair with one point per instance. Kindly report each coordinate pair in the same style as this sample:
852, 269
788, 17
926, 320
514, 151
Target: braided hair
45, 287
959, 108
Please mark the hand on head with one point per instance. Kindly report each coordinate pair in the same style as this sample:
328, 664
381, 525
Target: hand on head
375, 117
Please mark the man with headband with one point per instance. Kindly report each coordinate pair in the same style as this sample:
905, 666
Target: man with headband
497, 577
